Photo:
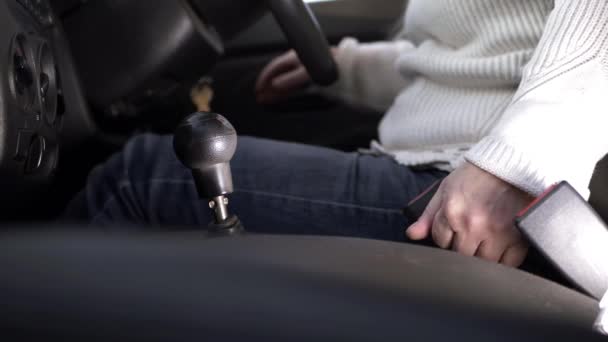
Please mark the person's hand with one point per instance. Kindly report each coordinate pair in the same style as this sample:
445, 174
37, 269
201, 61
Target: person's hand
473, 213
282, 77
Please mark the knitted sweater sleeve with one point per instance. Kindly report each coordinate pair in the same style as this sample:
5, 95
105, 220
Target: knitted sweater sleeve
368, 73
556, 128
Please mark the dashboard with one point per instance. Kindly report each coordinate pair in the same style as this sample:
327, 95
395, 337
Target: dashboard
61, 56
31, 103
79, 77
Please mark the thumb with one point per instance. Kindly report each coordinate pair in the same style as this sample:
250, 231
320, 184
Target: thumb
421, 229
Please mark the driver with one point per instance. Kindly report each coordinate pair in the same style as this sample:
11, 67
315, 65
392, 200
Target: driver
507, 97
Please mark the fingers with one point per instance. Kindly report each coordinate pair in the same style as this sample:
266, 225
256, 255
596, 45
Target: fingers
465, 245
490, 251
449, 227
442, 232
279, 65
494, 250
515, 255
280, 78
284, 85
421, 229
472, 213
295, 79
448, 232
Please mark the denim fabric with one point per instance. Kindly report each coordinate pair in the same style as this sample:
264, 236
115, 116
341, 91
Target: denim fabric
280, 187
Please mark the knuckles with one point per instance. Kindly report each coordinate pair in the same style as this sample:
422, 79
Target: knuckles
468, 217
480, 221
455, 212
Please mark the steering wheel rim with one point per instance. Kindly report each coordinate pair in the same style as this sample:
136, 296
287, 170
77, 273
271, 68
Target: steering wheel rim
306, 37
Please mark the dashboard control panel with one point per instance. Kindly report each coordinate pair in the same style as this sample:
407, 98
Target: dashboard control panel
30, 100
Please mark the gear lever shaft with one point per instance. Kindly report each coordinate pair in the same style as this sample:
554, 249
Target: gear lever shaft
205, 143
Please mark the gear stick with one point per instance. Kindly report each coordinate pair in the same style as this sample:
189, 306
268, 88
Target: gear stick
205, 143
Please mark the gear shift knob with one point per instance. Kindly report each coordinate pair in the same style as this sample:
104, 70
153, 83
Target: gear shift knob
205, 143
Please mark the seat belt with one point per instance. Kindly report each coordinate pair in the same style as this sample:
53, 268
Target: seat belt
567, 231
571, 235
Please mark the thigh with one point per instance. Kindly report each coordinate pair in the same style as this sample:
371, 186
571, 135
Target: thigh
302, 189
279, 188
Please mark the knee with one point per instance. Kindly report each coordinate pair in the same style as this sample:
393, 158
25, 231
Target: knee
142, 159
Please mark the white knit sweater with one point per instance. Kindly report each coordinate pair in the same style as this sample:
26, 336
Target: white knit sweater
517, 87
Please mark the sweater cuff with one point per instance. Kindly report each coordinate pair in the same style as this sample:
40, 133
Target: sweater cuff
495, 156
345, 58
368, 73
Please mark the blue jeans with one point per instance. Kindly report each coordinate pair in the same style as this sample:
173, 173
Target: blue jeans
280, 187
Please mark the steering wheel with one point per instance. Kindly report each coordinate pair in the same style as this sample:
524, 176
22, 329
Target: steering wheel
304, 34
230, 17
127, 59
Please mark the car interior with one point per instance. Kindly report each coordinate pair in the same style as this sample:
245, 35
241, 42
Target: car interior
82, 77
